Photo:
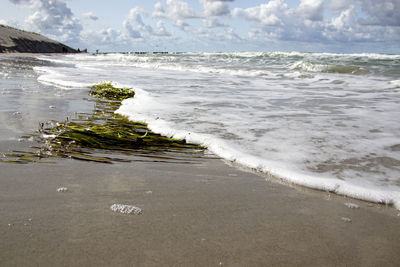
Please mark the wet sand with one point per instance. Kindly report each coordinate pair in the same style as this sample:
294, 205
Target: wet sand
195, 212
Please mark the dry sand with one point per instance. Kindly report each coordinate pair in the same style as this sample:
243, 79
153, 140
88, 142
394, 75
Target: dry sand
195, 212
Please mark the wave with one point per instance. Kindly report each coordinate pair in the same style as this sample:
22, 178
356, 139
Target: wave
135, 70
327, 68
135, 109
55, 77
295, 54
161, 62
250, 64
394, 84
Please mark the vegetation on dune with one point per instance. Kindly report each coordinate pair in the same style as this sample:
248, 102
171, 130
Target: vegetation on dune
102, 129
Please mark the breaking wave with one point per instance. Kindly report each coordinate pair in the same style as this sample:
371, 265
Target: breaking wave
327, 68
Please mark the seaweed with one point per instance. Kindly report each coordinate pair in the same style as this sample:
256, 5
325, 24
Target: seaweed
108, 91
102, 130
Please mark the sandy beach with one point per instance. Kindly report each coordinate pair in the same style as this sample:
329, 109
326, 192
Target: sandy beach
200, 133
196, 211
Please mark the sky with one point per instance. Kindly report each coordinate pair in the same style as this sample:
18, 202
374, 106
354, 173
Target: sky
341, 26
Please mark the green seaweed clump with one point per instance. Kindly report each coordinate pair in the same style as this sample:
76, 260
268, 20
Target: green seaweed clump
102, 130
108, 91
110, 132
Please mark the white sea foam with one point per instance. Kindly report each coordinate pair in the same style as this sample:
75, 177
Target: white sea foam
394, 84
326, 129
59, 78
126, 209
62, 189
351, 205
346, 219
47, 136
137, 108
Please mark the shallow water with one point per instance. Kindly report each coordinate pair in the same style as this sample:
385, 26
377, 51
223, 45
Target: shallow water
327, 121
25, 102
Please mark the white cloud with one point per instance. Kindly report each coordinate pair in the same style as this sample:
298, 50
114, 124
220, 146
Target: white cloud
161, 31
12, 23
339, 5
269, 14
342, 26
176, 9
345, 20
311, 9
181, 24
52, 18
346, 27
20, 2
213, 22
101, 37
275, 21
382, 12
134, 24
107, 39
215, 8
272, 21
139, 30
90, 15
212, 9
177, 13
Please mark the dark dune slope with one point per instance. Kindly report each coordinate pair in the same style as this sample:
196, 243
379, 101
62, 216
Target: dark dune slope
17, 41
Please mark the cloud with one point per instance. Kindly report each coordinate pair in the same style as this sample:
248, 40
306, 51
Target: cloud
176, 9
213, 22
212, 9
11, 22
177, 13
52, 18
101, 37
107, 39
161, 31
341, 28
382, 13
215, 8
269, 14
134, 24
348, 27
138, 29
362, 21
315, 22
90, 15
19, 2
339, 5
311, 9
181, 24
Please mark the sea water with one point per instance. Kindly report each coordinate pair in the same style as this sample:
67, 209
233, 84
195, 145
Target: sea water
25, 102
325, 121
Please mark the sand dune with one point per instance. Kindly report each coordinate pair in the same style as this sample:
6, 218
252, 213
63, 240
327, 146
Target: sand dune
17, 41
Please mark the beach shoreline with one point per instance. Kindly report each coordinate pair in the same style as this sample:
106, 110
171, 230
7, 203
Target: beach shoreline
194, 208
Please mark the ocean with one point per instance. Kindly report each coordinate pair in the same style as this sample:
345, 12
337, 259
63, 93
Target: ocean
324, 121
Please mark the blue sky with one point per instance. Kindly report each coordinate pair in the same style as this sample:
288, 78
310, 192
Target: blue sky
346, 26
